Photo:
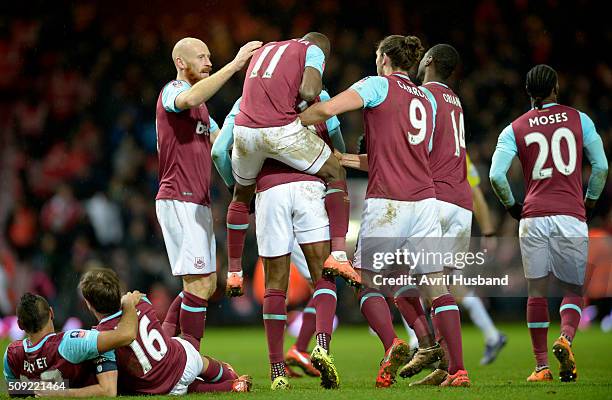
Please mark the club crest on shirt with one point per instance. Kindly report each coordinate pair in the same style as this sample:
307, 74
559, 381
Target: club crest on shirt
202, 128
77, 334
177, 83
199, 262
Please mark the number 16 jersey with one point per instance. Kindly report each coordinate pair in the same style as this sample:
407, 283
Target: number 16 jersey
154, 362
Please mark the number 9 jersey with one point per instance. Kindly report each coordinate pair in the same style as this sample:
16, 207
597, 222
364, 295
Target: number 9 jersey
549, 144
153, 363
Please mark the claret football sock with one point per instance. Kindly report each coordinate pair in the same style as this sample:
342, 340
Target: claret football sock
447, 321
309, 324
193, 318
274, 319
217, 372
376, 311
538, 322
409, 305
237, 225
338, 208
171, 322
570, 311
324, 298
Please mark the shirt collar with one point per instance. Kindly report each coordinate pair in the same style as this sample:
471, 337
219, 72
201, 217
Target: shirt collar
115, 315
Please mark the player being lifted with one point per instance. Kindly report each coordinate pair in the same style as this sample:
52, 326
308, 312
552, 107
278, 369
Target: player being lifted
549, 141
400, 200
185, 131
290, 208
154, 363
74, 356
279, 77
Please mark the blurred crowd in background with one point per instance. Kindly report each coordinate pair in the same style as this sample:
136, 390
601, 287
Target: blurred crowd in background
79, 83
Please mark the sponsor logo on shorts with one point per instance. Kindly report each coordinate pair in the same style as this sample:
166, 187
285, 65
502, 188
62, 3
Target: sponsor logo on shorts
199, 262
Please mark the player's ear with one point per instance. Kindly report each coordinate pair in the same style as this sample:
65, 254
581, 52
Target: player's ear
180, 63
51, 313
428, 60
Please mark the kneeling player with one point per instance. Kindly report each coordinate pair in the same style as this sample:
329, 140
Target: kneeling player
68, 356
154, 363
549, 141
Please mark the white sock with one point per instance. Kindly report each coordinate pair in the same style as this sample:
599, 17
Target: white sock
339, 255
480, 317
413, 341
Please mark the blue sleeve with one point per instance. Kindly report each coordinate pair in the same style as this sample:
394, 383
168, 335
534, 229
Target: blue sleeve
79, 345
315, 58
106, 362
333, 123
223, 143
434, 106
500, 164
507, 142
213, 125
589, 133
596, 155
373, 90
8, 373
169, 93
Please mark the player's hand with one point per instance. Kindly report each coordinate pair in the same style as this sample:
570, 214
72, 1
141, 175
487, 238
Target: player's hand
515, 210
338, 155
245, 53
130, 299
589, 206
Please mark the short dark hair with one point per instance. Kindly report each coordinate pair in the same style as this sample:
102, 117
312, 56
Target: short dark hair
446, 58
32, 312
102, 289
541, 80
403, 51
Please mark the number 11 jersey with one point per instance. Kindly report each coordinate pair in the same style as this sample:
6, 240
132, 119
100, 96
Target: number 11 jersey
154, 362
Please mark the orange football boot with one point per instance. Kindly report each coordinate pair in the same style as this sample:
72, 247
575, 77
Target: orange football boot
343, 268
543, 375
296, 358
396, 356
459, 379
233, 287
562, 349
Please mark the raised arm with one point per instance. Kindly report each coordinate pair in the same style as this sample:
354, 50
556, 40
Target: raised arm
206, 88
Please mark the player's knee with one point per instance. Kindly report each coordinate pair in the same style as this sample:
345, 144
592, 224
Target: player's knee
243, 194
332, 170
203, 286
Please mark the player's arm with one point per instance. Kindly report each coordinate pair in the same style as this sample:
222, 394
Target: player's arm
312, 79
355, 161
482, 213
206, 88
368, 92
214, 130
127, 328
221, 147
106, 387
505, 152
595, 153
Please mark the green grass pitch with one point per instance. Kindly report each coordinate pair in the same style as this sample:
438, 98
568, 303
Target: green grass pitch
357, 354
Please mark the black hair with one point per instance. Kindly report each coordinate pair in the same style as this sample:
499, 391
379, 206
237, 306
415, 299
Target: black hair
446, 58
541, 80
32, 312
403, 51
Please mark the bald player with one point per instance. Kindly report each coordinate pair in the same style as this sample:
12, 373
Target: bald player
185, 132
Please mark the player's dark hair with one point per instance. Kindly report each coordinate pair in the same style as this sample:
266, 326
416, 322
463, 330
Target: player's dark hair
403, 51
320, 40
446, 58
102, 289
541, 80
32, 312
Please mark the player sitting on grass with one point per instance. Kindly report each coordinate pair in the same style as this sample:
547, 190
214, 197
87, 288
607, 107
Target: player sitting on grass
154, 363
68, 356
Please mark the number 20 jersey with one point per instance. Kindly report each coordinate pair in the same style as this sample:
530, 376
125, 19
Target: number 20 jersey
549, 143
154, 362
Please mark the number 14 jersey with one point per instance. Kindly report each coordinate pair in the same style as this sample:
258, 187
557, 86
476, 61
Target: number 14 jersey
154, 362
